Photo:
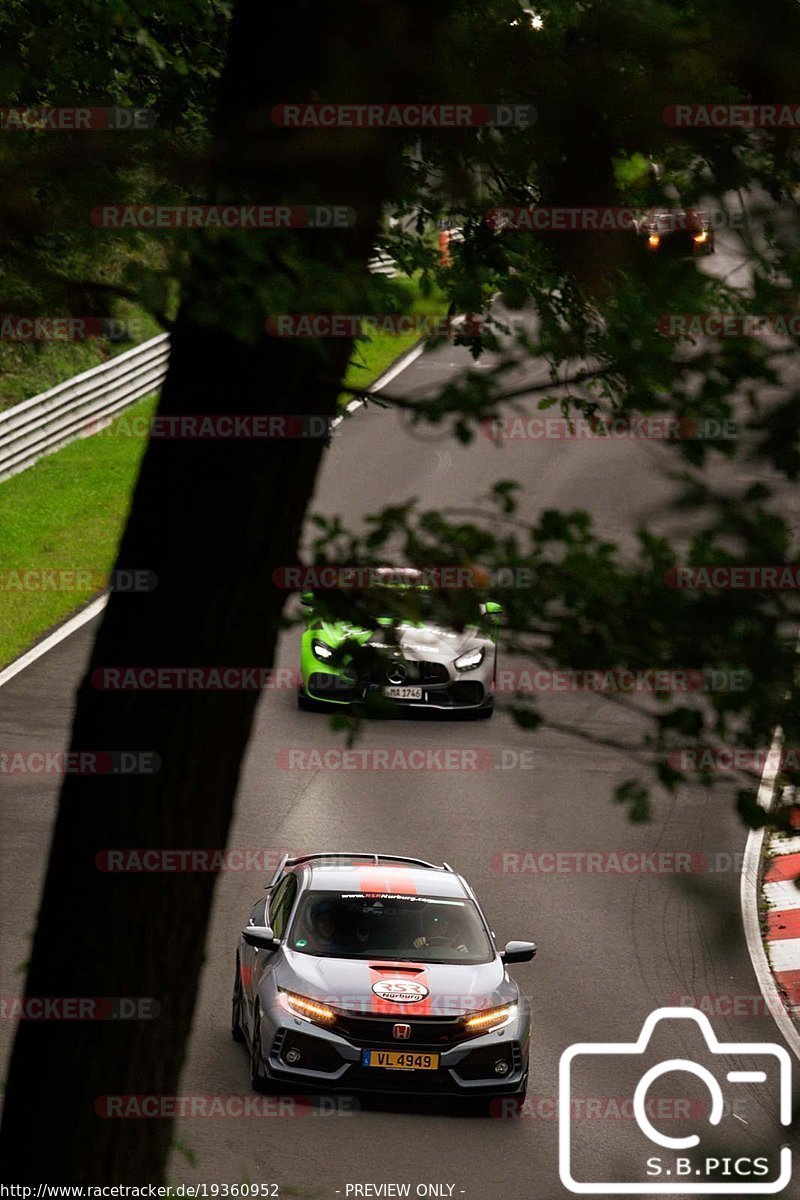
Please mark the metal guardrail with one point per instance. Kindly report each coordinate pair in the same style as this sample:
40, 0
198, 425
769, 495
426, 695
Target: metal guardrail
382, 264
82, 405
79, 407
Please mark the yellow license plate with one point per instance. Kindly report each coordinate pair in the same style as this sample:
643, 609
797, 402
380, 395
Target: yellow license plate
400, 1060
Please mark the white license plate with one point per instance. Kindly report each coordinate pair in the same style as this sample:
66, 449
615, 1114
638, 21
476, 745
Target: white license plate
403, 693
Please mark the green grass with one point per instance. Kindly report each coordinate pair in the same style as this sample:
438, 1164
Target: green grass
371, 357
68, 511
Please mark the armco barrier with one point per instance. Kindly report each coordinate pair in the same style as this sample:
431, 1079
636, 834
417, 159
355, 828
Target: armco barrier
76, 408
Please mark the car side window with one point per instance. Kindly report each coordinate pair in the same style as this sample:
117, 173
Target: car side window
281, 905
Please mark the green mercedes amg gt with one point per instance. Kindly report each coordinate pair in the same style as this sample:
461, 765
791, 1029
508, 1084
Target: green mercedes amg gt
410, 663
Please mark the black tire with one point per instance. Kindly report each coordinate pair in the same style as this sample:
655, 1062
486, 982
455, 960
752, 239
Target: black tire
258, 1080
237, 1033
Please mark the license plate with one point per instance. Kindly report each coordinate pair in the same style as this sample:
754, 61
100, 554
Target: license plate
399, 1060
403, 693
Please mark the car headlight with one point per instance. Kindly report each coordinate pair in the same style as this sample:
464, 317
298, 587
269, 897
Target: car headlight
654, 241
321, 651
470, 660
491, 1019
701, 237
304, 1006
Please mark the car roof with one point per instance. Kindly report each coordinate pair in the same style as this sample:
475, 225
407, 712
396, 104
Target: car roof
373, 874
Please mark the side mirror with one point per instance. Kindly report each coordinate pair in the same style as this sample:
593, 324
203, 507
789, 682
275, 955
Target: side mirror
307, 599
260, 937
492, 610
516, 952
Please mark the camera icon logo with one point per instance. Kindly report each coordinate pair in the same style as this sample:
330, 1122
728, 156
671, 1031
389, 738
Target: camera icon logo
684, 1167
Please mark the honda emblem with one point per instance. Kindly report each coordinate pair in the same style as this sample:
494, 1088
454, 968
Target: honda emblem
402, 1031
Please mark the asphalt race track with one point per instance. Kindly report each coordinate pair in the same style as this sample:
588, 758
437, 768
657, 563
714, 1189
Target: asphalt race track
613, 946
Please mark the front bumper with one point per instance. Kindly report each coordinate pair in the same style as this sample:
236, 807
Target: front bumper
334, 1062
462, 694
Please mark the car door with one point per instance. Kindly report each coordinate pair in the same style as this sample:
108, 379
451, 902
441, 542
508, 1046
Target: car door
248, 957
274, 911
250, 964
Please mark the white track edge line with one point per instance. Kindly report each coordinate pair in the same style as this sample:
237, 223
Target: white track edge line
405, 360
58, 635
749, 896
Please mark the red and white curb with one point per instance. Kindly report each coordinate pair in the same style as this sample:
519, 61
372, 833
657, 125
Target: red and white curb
778, 890
764, 887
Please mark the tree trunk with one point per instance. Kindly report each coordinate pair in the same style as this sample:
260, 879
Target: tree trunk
212, 519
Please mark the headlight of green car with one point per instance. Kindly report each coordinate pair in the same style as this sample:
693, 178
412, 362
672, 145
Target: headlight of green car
470, 660
321, 651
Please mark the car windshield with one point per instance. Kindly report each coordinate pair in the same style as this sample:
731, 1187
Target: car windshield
414, 604
389, 926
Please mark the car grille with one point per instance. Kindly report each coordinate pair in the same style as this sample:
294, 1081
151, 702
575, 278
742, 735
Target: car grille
415, 672
433, 672
425, 1031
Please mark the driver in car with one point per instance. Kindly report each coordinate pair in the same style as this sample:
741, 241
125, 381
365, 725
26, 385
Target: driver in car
442, 929
324, 927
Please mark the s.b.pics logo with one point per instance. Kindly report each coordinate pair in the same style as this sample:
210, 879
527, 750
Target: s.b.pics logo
703, 1152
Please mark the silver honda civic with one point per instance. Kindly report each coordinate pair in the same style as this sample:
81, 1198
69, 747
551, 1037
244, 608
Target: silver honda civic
375, 973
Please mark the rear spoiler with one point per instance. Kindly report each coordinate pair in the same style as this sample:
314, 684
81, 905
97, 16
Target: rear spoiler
377, 859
